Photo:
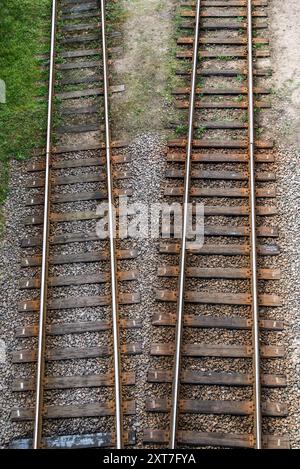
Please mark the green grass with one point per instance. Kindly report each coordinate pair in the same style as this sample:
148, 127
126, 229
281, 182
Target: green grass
115, 15
226, 58
181, 130
259, 45
25, 25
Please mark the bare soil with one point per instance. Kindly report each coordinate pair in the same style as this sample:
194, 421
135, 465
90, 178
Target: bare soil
284, 42
145, 65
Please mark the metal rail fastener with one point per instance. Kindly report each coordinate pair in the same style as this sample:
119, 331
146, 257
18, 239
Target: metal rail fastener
182, 259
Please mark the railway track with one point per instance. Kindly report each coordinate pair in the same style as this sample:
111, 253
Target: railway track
69, 366
217, 366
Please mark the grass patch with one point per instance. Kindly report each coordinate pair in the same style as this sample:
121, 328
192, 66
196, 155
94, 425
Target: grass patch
149, 73
25, 25
173, 81
115, 15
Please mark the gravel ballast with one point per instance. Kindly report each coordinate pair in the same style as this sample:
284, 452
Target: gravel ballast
148, 167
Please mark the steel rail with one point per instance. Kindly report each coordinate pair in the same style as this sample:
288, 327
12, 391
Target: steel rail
182, 259
253, 255
112, 248
38, 421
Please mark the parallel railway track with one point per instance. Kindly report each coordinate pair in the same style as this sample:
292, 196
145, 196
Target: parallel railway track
223, 285
215, 359
72, 274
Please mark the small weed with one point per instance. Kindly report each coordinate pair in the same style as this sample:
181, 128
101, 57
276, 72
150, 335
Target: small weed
59, 60
200, 131
181, 129
258, 45
225, 58
245, 117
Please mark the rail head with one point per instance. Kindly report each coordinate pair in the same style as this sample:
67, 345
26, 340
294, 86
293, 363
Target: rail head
253, 254
38, 421
112, 247
182, 257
